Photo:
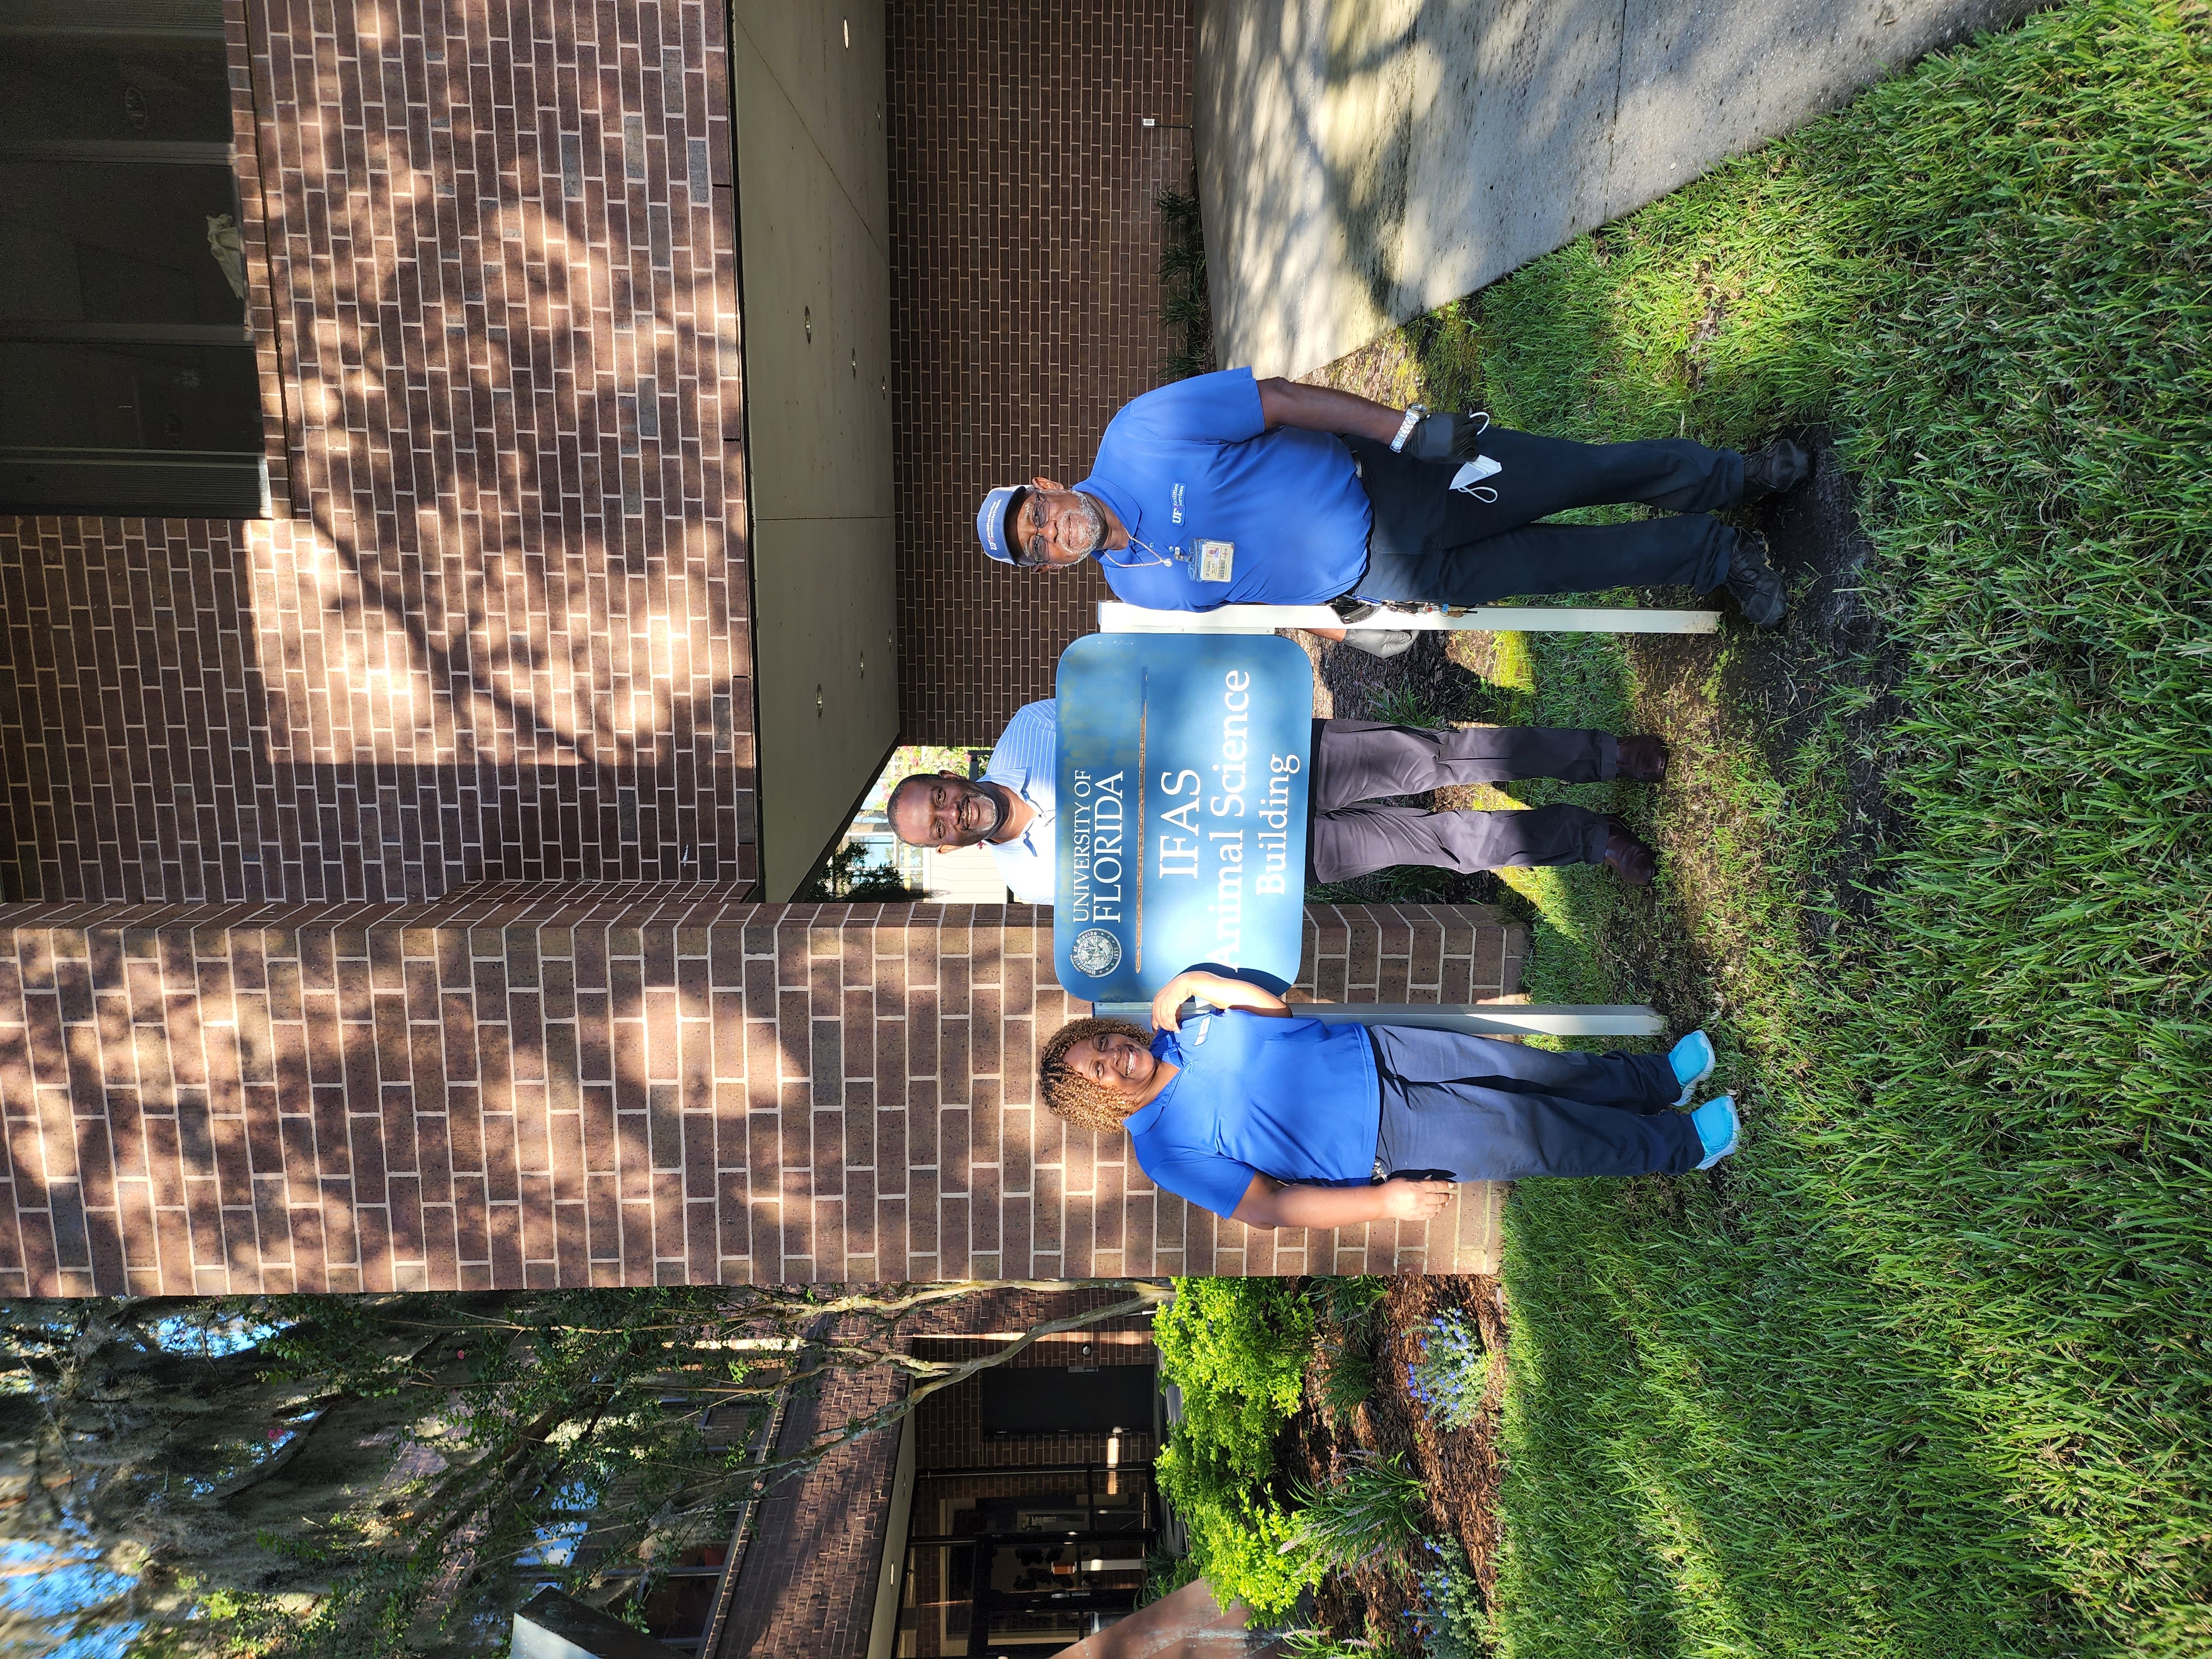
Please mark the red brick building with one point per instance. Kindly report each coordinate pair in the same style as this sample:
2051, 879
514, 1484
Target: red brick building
1015, 1508
493, 480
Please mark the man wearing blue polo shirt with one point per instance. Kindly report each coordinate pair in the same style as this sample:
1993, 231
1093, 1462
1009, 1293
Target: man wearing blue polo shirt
1225, 489
1358, 765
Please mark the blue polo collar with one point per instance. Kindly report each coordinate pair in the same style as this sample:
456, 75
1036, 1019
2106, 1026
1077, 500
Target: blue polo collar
1124, 505
1166, 1048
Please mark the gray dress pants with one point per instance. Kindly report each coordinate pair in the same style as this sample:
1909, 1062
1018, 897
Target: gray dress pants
1356, 761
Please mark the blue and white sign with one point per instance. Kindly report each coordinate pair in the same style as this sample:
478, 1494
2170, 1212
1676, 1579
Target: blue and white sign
1183, 809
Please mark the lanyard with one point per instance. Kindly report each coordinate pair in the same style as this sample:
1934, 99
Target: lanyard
1146, 547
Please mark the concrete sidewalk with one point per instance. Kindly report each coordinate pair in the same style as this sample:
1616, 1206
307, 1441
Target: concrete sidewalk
1364, 161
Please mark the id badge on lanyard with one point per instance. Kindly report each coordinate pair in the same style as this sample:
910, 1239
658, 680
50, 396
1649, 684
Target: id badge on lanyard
1215, 560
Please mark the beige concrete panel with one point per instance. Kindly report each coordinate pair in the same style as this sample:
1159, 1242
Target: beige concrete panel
836, 88
813, 222
1362, 161
817, 311
827, 604
1701, 83
1353, 157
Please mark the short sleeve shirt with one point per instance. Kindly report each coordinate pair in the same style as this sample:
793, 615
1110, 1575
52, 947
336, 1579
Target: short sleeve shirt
1296, 1099
1026, 761
1193, 462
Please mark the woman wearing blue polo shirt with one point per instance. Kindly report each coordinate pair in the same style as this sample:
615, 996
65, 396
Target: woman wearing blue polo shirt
1278, 1121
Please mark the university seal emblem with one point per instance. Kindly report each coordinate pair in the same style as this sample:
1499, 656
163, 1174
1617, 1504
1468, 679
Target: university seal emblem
1096, 952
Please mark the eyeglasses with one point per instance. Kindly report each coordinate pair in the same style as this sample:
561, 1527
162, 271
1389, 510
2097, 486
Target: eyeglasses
1028, 549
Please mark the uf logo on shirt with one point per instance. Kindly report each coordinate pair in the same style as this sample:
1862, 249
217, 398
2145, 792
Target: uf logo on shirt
1177, 504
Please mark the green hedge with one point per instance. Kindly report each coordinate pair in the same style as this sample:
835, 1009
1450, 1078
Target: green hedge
1237, 1348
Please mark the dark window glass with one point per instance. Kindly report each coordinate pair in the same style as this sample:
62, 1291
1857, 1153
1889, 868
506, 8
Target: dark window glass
128, 397
127, 381
120, 243
681, 1606
116, 87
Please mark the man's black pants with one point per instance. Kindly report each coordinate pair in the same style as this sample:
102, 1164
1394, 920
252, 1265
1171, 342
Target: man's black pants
1438, 546
1356, 761
1476, 1109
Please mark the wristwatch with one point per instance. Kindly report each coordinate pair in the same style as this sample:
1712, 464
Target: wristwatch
1415, 414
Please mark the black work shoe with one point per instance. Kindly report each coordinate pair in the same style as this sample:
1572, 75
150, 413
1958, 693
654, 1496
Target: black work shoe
1782, 465
1380, 641
1627, 857
1642, 760
1758, 590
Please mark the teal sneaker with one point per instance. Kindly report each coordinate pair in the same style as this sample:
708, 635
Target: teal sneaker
1716, 1126
1694, 1060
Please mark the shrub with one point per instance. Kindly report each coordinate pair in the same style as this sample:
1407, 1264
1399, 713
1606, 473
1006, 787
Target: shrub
1237, 1537
1237, 1348
1348, 1302
1346, 1378
1453, 1372
1346, 1373
1370, 1507
1455, 1625
1164, 1574
1311, 1644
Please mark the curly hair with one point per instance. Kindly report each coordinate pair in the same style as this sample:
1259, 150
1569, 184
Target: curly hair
1079, 1099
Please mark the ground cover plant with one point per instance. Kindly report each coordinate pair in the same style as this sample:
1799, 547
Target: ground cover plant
1924, 1370
1452, 1376
1360, 1493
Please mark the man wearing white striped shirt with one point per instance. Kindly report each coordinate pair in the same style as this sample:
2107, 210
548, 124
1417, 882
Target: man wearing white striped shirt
1357, 765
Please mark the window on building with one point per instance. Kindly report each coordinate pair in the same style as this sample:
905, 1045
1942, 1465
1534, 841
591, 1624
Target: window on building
128, 382
677, 1610
1034, 1558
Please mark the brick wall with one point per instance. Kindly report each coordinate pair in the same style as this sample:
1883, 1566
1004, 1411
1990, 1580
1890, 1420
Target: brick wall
807, 1584
1024, 310
498, 629
535, 1085
948, 1425
812, 1560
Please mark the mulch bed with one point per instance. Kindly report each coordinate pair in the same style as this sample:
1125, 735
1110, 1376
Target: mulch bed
1459, 1468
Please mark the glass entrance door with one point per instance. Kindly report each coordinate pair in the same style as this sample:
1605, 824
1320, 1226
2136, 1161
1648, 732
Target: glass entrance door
1028, 1560
127, 375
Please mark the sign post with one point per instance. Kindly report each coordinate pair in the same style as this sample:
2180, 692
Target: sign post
1116, 617
1183, 765
1513, 1019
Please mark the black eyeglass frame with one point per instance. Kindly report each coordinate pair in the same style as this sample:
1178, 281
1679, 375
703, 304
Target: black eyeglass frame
1025, 557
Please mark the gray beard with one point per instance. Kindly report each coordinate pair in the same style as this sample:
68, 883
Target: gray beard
1094, 522
998, 818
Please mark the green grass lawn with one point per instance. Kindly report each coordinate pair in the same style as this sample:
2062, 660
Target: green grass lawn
1928, 1369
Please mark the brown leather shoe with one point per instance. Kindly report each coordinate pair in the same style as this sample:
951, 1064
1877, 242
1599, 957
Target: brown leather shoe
1642, 760
1627, 857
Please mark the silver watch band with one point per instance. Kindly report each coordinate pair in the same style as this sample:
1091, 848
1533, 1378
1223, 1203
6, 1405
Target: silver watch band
1414, 413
